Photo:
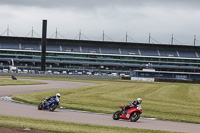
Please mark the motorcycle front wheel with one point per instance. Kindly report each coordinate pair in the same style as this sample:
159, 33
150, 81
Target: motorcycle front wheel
134, 116
40, 106
116, 115
53, 106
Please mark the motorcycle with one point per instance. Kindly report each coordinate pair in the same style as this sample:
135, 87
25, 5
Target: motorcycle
50, 105
13, 78
132, 114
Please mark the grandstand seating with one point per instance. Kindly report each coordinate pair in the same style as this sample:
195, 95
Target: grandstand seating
25, 46
131, 64
31, 60
9, 59
72, 62
168, 53
52, 61
111, 64
154, 66
187, 54
92, 63
79, 53
9, 46
129, 51
189, 67
198, 54
52, 47
170, 66
70, 48
90, 49
149, 52
109, 50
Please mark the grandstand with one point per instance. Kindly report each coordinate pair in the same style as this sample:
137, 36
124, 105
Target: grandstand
98, 56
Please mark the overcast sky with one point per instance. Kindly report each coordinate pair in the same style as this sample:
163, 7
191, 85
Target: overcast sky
160, 18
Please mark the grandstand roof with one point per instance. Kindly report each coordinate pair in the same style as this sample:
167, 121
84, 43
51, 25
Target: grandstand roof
91, 42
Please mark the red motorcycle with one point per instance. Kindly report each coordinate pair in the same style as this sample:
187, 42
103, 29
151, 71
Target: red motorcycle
132, 114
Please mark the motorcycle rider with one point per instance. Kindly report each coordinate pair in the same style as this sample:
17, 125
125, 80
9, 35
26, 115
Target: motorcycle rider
57, 96
133, 103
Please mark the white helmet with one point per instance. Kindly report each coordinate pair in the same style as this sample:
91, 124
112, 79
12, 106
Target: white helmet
139, 100
58, 95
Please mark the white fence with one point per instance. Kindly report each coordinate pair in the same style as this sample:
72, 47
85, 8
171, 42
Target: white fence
143, 79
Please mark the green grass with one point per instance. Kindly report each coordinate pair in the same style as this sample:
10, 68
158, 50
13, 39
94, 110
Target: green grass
58, 126
164, 101
17, 82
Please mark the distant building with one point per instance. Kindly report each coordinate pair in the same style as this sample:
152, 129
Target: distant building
73, 56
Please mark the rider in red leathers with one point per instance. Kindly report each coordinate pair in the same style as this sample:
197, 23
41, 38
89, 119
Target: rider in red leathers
132, 104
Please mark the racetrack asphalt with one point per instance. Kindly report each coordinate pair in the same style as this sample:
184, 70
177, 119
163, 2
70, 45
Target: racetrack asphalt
31, 111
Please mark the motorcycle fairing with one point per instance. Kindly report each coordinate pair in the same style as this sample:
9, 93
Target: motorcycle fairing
50, 102
129, 112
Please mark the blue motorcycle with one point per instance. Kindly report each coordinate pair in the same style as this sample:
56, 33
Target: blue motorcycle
50, 105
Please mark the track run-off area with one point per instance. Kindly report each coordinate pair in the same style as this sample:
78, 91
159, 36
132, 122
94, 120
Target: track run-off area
31, 111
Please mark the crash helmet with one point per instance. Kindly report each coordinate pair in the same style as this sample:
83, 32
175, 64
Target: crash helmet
58, 95
139, 100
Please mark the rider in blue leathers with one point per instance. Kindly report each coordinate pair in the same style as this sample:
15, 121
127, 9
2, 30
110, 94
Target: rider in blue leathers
57, 96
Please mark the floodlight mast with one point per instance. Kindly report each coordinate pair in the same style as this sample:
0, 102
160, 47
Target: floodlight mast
103, 36
194, 40
149, 37
126, 37
172, 40
44, 42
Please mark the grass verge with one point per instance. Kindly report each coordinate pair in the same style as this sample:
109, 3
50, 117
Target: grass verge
4, 82
67, 127
164, 101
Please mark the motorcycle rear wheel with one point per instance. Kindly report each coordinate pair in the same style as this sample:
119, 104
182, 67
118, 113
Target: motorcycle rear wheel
40, 106
116, 115
134, 116
53, 106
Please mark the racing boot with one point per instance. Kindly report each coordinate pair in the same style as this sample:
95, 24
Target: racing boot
124, 111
